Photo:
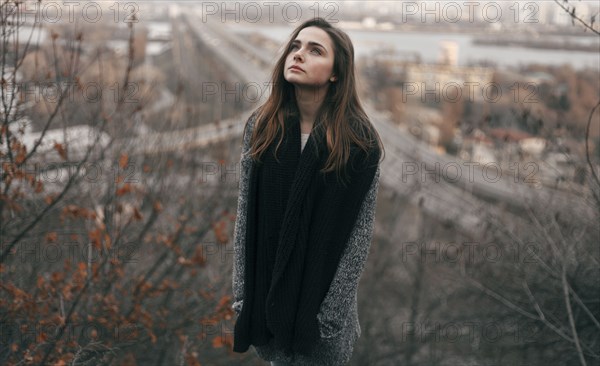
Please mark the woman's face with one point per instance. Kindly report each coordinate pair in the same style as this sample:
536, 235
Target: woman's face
312, 52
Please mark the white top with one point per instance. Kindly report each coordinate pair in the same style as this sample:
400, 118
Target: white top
303, 139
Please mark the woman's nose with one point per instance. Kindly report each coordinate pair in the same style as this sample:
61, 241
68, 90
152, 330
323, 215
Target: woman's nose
297, 56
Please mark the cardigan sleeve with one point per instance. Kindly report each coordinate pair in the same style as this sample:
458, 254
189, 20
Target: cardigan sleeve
339, 299
239, 232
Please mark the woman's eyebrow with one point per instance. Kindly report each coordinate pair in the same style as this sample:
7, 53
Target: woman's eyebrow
310, 43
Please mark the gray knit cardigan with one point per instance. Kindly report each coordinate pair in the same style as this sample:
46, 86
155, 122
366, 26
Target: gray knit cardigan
338, 315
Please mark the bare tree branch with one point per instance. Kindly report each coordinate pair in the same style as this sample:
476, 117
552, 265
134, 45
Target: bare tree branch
587, 149
571, 12
570, 313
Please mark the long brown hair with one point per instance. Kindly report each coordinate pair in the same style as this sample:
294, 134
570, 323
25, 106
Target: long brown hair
341, 118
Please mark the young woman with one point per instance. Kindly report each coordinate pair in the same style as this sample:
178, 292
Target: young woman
308, 184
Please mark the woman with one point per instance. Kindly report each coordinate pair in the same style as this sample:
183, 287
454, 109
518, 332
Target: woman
308, 184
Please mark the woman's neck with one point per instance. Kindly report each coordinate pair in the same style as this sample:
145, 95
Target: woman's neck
309, 101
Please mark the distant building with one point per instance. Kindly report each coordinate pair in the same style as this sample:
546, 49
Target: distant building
450, 79
478, 148
533, 145
369, 22
408, 66
562, 18
546, 11
449, 53
538, 77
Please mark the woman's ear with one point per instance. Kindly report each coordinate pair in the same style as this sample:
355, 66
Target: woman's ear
333, 78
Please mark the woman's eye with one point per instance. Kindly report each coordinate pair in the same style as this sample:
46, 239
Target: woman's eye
316, 50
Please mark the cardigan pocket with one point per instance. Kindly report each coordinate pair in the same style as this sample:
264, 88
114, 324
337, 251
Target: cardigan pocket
330, 323
330, 328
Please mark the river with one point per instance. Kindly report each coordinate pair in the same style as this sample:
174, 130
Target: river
428, 46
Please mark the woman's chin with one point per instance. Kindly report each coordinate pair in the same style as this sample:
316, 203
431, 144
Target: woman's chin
293, 79
302, 84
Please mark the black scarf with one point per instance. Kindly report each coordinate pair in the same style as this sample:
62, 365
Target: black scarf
298, 223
